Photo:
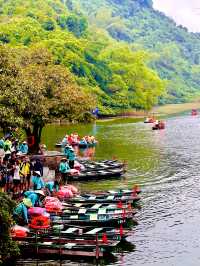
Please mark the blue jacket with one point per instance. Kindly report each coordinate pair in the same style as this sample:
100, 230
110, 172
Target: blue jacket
22, 211
66, 151
71, 155
23, 148
64, 168
51, 186
38, 182
34, 197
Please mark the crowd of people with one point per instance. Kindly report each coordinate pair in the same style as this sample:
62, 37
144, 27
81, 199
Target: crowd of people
22, 175
19, 173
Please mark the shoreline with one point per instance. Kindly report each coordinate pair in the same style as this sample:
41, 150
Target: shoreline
158, 111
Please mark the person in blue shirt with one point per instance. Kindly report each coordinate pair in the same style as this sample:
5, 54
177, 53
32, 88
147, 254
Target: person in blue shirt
64, 141
37, 181
23, 148
71, 156
66, 150
20, 214
36, 197
64, 169
52, 187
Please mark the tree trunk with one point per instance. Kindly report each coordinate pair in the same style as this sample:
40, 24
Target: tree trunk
34, 137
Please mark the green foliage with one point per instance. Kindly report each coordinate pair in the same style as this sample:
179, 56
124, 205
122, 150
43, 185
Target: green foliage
34, 91
8, 248
135, 21
81, 51
48, 25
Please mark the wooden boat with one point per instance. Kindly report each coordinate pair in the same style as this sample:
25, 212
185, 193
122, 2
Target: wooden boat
91, 219
104, 198
89, 232
149, 120
121, 192
159, 126
99, 170
194, 112
63, 250
100, 174
95, 214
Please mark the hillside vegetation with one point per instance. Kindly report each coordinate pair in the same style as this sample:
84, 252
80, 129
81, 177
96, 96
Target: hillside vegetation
114, 73
176, 51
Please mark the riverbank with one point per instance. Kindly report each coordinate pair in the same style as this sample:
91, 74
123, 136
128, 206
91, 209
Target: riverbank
171, 109
158, 111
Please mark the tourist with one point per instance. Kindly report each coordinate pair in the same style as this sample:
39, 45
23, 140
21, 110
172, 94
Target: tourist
3, 173
16, 177
23, 148
7, 148
20, 214
66, 150
25, 172
37, 182
64, 169
2, 151
38, 166
52, 187
65, 141
71, 156
36, 197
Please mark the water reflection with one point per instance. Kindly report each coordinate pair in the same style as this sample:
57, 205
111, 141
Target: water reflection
167, 165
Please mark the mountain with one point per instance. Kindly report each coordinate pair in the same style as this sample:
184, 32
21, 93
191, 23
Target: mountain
123, 52
176, 51
115, 74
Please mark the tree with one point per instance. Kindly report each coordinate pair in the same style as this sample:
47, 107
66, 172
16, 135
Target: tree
8, 248
34, 91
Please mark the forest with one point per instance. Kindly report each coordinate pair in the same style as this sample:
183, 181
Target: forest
175, 52
123, 54
115, 74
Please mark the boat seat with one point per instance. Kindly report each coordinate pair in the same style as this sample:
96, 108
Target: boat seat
93, 217
78, 204
45, 243
74, 217
102, 211
92, 197
94, 231
118, 211
66, 211
70, 245
82, 211
70, 230
112, 191
58, 227
111, 197
96, 206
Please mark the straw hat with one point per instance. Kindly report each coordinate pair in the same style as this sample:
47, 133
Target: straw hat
27, 202
64, 159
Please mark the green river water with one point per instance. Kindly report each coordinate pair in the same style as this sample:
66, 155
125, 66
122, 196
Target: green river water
166, 164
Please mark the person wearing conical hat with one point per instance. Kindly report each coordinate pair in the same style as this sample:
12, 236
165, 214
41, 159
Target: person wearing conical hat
37, 182
64, 169
23, 148
71, 156
20, 214
36, 197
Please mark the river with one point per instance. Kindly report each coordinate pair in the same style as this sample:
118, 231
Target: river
166, 164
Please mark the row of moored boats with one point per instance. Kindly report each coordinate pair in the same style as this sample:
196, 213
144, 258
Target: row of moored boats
86, 225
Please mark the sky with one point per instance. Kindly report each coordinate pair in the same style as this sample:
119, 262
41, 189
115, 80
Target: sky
184, 12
